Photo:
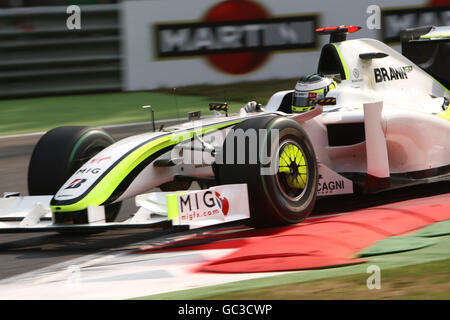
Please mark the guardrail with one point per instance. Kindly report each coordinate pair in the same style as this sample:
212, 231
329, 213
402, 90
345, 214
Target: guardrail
39, 55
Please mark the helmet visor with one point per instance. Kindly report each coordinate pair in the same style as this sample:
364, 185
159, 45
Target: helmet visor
300, 99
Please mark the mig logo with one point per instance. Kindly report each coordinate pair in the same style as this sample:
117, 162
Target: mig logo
223, 203
202, 205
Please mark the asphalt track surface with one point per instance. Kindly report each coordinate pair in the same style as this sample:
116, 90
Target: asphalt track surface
20, 253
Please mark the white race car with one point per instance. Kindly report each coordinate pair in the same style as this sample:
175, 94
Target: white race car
369, 120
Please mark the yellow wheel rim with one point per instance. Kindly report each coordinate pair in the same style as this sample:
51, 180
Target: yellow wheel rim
292, 169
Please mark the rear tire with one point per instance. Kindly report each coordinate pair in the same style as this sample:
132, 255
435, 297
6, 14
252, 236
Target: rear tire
287, 194
62, 151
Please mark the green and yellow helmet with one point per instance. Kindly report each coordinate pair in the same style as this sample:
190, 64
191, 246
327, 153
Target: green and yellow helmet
311, 86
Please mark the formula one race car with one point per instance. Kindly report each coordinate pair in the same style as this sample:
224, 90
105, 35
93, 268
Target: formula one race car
369, 120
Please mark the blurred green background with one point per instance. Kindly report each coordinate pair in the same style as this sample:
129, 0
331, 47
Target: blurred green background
41, 114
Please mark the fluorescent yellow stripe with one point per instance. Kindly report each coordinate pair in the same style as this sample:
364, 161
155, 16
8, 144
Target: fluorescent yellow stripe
435, 36
172, 205
318, 91
445, 114
103, 190
344, 65
448, 91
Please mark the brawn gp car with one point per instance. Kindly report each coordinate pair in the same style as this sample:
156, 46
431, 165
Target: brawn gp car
370, 119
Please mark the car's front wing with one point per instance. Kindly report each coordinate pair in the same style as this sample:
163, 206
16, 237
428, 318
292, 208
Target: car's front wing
191, 209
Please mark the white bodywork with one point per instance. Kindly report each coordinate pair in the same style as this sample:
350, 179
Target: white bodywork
416, 139
215, 205
396, 102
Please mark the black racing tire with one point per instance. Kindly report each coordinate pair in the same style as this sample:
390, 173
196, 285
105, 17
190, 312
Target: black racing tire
272, 202
62, 151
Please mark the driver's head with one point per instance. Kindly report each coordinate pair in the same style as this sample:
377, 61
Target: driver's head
311, 86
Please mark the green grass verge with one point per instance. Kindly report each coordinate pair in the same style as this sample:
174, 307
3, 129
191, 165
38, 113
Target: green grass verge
259, 91
41, 114
423, 281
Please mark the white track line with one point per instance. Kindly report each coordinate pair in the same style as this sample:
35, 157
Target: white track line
112, 275
23, 135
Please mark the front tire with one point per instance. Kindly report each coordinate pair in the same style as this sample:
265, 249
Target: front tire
61, 152
282, 188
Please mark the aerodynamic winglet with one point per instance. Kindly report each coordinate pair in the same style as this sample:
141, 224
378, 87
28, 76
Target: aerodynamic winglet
373, 55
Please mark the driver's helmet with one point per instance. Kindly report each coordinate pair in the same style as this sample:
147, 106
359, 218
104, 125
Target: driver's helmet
311, 86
